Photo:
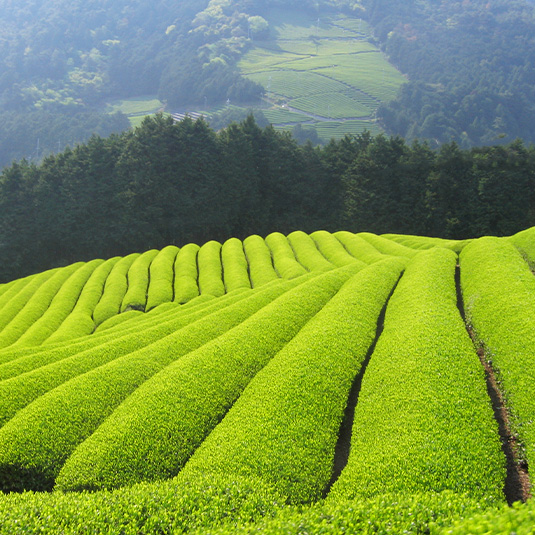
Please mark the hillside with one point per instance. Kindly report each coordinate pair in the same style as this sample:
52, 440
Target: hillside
467, 67
334, 381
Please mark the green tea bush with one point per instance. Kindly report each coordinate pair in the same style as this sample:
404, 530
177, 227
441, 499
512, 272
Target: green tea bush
285, 426
358, 247
19, 299
10, 289
235, 266
36, 305
168, 507
55, 366
186, 273
284, 260
261, 269
389, 247
61, 306
307, 253
138, 282
390, 514
80, 321
35, 443
424, 421
161, 277
153, 433
525, 243
331, 248
114, 290
499, 298
210, 269
516, 520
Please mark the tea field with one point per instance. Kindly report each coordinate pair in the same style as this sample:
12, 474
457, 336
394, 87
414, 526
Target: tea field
301, 383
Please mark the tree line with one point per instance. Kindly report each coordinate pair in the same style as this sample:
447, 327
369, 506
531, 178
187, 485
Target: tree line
173, 183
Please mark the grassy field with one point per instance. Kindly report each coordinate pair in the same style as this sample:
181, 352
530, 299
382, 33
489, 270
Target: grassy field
339, 382
324, 67
135, 108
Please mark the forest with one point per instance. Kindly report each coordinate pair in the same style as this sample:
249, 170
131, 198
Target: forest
470, 66
173, 183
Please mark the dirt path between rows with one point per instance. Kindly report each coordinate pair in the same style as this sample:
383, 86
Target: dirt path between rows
517, 483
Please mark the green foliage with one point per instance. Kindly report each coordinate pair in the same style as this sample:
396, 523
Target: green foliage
161, 277
31, 457
114, 290
518, 519
284, 428
306, 252
137, 277
358, 247
235, 266
61, 306
424, 421
174, 507
80, 321
455, 90
192, 395
389, 514
186, 286
331, 248
36, 306
261, 269
35, 374
525, 242
210, 269
284, 261
499, 297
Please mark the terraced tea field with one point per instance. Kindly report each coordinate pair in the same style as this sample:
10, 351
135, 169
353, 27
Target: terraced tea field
325, 69
309, 383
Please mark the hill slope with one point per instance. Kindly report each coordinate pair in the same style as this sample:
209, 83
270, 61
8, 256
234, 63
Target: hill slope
224, 384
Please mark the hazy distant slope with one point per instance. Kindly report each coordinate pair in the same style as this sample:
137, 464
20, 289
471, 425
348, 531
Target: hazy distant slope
470, 66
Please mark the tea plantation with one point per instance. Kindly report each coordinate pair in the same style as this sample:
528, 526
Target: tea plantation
308, 383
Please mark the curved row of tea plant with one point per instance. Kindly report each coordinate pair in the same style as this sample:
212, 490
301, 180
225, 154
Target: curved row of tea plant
190, 396
423, 421
499, 293
285, 426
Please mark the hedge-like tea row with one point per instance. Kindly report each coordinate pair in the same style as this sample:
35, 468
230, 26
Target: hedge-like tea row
423, 421
36, 306
235, 267
20, 298
156, 430
283, 256
142, 330
307, 253
61, 306
162, 275
426, 242
358, 247
525, 242
332, 249
390, 514
285, 426
138, 282
210, 269
35, 443
80, 320
386, 246
186, 286
53, 367
10, 289
114, 290
261, 269
499, 295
